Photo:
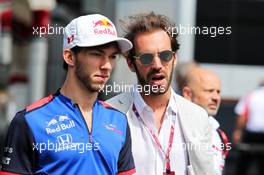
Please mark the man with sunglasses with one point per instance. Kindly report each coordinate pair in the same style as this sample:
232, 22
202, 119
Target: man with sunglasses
71, 132
170, 135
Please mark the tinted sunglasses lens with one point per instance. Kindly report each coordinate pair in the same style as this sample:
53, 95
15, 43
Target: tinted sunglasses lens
166, 55
146, 58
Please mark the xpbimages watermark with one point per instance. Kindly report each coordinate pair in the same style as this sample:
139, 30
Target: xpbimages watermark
48, 30
65, 145
118, 88
53, 30
212, 31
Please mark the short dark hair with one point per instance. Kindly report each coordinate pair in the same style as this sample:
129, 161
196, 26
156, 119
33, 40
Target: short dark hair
148, 22
76, 50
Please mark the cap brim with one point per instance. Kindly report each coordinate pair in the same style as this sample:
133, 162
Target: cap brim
123, 43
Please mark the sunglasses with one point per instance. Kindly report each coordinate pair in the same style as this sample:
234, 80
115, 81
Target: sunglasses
147, 58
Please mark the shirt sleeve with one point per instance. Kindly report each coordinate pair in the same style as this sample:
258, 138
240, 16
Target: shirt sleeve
241, 105
19, 155
125, 161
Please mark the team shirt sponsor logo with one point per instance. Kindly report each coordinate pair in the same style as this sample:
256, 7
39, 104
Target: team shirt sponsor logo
59, 123
113, 128
6, 160
65, 140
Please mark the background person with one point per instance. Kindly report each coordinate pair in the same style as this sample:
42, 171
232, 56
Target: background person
71, 132
250, 131
203, 87
181, 73
167, 130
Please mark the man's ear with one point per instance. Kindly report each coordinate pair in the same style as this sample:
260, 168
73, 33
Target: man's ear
130, 64
69, 57
187, 93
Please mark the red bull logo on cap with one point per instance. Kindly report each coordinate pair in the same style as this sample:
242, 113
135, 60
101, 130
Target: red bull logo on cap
103, 26
102, 22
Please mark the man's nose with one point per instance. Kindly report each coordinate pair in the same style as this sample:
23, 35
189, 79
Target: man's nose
216, 96
156, 62
107, 63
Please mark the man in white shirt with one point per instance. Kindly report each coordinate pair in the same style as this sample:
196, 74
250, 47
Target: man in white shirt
250, 130
169, 134
203, 87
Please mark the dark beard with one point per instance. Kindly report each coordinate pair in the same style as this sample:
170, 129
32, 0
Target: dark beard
143, 82
80, 73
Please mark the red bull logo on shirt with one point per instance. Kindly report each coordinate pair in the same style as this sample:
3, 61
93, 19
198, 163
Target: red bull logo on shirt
103, 26
59, 123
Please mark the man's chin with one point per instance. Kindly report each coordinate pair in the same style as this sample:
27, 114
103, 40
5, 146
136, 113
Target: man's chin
212, 113
97, 88
157, 93
159, 89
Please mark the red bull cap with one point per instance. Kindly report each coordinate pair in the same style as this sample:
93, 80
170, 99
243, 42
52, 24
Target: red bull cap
92, 30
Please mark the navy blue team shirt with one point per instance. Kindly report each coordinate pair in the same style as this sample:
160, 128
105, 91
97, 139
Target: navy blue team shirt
51, 137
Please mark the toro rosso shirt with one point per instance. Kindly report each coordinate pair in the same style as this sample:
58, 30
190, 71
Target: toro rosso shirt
51, 137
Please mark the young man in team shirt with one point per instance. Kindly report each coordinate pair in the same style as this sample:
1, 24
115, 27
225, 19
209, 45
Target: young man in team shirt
71, 132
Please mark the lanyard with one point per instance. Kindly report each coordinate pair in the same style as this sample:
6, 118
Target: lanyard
156, 140
225, 140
